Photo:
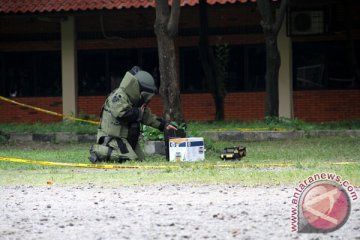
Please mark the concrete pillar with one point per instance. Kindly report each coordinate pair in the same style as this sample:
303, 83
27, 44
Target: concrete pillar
69, 66
285, 74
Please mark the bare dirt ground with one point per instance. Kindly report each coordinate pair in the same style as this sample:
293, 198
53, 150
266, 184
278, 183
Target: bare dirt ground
155, 212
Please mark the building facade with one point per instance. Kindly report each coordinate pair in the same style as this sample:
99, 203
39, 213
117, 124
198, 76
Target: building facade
66, 56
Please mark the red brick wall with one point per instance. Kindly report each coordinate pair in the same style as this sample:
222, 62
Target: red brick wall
194, 106
245, 106
324, 106
312, 106
17, 114
199, 107
90, 104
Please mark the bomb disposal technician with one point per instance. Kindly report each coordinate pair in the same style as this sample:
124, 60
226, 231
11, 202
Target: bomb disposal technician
121, 115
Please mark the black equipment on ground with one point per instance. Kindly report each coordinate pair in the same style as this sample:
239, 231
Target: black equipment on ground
233, 153
171, 133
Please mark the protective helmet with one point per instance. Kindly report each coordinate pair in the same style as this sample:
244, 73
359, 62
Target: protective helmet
146, 82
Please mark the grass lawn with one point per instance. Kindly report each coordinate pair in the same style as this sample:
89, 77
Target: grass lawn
193, 127
309, 156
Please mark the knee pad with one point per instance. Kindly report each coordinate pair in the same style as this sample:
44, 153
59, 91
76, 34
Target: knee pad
102, 153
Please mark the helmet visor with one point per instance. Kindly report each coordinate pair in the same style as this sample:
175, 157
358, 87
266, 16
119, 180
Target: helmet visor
146, 96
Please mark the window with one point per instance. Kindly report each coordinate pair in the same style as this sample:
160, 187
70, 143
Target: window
102, 71
92, 75
234, 80
3, 87
255, 68
322, 65
19, 74
245, 69
149, 61
191, 74
48, 74
31, 74
121, 61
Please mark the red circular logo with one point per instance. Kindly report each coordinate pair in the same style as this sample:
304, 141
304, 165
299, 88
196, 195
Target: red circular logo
326, 207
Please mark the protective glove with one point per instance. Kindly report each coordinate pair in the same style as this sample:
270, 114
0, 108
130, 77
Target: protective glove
141, 112
168, 126
165, 125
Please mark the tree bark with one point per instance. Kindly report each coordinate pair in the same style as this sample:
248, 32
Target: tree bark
166, 27
208, 63
271, 27
273, 63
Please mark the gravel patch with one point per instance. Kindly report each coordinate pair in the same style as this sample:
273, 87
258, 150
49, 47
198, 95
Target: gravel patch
155, 212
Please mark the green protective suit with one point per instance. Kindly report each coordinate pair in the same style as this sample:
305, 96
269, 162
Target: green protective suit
119, 129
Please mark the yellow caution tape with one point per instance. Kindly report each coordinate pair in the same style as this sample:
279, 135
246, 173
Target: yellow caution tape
120, 166
82, 165
47, 111
248, 129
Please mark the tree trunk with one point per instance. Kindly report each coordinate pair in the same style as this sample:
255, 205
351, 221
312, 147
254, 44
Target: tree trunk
271, 27
169, 88
166, 24
208, 63
272, 75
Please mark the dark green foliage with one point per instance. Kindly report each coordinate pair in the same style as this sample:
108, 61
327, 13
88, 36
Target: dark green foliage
152, 134
3, 137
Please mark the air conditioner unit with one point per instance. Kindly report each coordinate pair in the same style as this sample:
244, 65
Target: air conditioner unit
306, 22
